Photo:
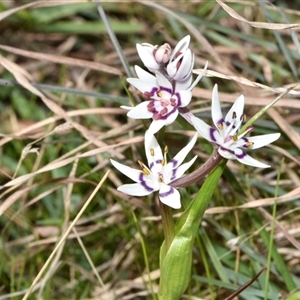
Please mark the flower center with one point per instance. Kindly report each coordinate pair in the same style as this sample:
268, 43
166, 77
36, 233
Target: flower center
156, 166
162, 106
160, 177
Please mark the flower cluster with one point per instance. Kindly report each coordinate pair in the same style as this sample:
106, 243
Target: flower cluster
167, 89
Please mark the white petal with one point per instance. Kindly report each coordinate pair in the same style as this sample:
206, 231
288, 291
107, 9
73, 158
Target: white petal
169, 196
145, 76
186, 66
146, 55
126, 107
207, 132
140, 111
156, 125
199, 77
134, 189
182, 169
182, 154
172, 68
238, 108
163, 82
171, 117
184, 85
226, 153
141, 85
216, 112
262, 140
250, 161
185, 98
182, 45
152, 146
133, 174
244, 158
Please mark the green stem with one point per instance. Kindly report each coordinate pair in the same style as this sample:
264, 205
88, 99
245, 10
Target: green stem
168, 223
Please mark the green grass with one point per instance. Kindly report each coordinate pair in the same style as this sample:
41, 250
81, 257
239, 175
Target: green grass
52, 170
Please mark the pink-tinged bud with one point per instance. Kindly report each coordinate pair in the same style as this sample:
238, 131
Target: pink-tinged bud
162, 53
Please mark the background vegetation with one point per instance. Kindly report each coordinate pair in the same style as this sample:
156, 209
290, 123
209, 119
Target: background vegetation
61, 123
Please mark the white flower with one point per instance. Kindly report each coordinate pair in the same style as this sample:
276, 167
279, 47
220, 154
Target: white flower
226, 135
164, 100
159, 174
181, 61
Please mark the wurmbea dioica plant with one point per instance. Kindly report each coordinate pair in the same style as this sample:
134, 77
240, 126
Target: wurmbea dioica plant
167, 93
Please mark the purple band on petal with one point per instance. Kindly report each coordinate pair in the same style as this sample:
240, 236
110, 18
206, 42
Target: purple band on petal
168, 193
227, 150
143, 183
179, 103
166, 89
240, 156
211, 134
173, 176
153, 91
173, 162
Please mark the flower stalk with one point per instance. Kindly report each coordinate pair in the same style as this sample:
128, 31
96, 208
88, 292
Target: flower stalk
167, 93
176, 262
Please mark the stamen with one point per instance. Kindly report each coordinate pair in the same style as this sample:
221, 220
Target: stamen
244, 117
173, 102
152, 152
164, 111
147, 95
249, 144
234, 138
163, 162
234, 115
220, 126
151, 106
166, 149
157, 116
159, 94
146, 171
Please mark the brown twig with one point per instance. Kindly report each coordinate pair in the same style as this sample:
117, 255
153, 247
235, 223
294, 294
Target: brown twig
200, 173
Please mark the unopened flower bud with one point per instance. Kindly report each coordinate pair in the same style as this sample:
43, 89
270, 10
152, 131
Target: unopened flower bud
181, 61
162, 53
